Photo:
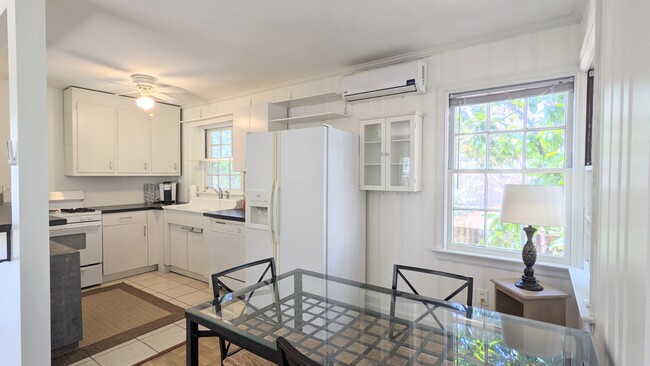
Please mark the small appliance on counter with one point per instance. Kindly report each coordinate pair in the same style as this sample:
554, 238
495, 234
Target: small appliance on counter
168, 192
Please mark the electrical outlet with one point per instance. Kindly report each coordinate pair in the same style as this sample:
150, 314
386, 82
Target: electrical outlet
481, 298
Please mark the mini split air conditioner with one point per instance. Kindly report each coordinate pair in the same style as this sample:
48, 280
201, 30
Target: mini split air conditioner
399, 79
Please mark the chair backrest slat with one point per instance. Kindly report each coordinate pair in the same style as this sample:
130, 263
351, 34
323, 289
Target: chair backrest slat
218, 285
468, 282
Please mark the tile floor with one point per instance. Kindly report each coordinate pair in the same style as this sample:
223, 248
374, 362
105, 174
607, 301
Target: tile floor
176, 289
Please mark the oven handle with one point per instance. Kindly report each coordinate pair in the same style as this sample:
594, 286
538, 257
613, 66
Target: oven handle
75, 226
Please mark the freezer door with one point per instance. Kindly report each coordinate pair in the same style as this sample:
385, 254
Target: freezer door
301, 199
259, 178
259, 161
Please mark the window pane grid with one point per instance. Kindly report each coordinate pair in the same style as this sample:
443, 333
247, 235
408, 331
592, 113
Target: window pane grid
492, 141
218, 148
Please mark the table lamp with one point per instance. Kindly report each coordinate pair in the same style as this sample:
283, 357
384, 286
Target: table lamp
532, 205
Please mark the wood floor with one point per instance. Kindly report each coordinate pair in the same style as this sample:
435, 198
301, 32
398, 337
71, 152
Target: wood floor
208, 355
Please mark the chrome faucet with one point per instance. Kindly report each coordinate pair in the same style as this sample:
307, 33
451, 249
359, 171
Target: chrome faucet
217, 190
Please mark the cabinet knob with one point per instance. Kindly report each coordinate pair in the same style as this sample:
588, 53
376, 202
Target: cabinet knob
145, 166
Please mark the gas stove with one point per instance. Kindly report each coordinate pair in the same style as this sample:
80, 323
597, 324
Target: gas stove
73, 215
82, 232
69, 205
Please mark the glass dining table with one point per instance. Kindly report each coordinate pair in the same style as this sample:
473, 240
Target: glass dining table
335, 321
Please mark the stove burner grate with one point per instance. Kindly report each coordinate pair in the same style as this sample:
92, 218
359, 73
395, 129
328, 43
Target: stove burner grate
76, 210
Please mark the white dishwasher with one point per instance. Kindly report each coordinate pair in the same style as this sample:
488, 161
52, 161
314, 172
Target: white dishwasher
228, 250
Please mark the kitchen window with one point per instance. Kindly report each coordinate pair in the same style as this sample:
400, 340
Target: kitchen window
518, 134
218, 152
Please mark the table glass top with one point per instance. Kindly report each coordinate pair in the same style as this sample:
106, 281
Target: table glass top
341, 322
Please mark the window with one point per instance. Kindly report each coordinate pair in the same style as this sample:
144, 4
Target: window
218, 151
512, 135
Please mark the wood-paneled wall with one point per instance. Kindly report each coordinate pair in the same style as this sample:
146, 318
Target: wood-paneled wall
620, 286
404, 227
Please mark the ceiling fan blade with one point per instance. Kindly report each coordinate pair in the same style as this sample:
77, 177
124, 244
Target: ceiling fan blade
165, 98
128, 93
170, 89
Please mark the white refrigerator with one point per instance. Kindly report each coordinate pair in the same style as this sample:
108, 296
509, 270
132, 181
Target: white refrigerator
303, 202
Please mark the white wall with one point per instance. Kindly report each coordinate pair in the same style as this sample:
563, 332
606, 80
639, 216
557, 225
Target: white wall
98, 190
404, 227
621, 262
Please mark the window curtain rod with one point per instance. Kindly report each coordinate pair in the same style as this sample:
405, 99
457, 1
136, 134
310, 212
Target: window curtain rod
511, 92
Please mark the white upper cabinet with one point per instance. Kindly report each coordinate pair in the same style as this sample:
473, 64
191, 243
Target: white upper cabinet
391, 153
165, 146
249, 119
132, 142
95, 136
107, 135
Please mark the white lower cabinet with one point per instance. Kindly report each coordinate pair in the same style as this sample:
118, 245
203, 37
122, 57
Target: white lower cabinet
125, 241
178, 245
155, 236
185, 242
197, 251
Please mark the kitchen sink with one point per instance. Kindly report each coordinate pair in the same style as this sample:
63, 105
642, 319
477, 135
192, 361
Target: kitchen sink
201, 205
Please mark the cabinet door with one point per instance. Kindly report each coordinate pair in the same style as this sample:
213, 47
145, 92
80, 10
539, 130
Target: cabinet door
155, 236
178, 245
240, 128
95, 138
402, 160
399, 153
197, 252
132, 141
372, 155
124, 247
165, 145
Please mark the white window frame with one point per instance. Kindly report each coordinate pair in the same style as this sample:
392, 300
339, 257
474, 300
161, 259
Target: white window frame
207, 174
570, 154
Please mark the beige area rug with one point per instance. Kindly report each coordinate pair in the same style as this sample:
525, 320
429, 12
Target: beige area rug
208, 355
115, 314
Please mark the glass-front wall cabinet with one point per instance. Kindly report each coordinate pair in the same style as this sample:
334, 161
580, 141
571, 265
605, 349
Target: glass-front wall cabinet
391, 153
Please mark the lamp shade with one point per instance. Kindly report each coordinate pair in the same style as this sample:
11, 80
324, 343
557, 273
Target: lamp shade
533, 205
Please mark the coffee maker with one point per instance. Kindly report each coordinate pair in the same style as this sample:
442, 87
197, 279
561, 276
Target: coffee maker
168, 193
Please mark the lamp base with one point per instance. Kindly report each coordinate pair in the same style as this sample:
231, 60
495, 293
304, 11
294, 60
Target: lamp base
529, 255
529, 284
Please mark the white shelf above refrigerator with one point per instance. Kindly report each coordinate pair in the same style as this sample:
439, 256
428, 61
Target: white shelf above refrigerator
309, 100
328, 116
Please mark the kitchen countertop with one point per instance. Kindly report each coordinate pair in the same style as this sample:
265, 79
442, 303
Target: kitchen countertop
237, 214
5, 219
131, 207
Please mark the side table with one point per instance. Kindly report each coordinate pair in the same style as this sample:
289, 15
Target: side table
548, 305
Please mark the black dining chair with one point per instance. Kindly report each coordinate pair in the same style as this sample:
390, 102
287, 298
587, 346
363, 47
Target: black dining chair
289, 356
466, 282
218, 286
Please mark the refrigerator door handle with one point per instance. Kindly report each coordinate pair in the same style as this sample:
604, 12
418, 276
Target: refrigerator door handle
276, 215
269, 211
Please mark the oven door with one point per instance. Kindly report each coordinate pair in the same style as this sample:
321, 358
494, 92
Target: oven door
86, 237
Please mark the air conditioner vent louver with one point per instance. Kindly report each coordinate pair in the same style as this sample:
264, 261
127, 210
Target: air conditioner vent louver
399, 79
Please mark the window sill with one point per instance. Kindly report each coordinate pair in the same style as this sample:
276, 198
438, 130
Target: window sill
508, 264
580, 284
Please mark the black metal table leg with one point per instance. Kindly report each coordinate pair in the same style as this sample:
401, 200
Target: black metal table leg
192, 343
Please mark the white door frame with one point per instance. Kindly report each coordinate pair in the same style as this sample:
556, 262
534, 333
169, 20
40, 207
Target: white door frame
25, 280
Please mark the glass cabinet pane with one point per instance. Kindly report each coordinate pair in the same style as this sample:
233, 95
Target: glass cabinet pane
399, 132
372, 154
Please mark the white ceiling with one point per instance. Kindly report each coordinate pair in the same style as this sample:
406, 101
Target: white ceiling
215, 48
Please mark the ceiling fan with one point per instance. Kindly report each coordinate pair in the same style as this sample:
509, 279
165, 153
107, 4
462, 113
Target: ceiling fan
144, 86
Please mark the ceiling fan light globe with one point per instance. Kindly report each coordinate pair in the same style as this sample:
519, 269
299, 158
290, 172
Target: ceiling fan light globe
145, 103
